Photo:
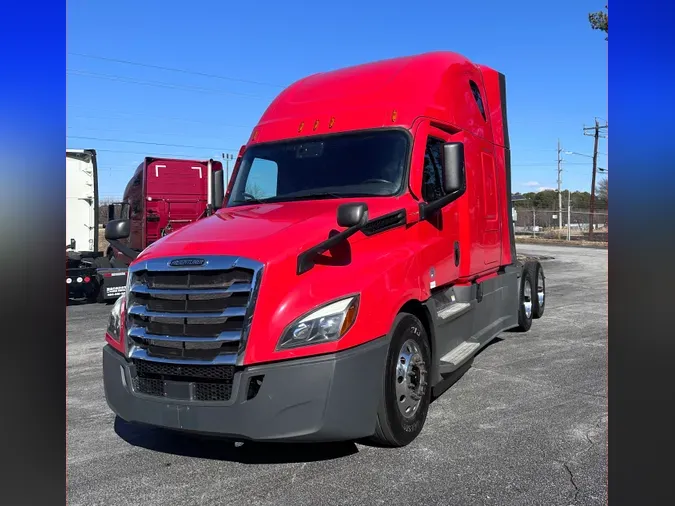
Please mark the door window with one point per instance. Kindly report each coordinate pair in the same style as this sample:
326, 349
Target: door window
432, 182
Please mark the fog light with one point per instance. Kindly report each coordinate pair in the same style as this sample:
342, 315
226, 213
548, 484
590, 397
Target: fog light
68, 281
79, 280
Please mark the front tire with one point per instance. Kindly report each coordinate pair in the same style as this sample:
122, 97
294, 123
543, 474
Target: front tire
405, 397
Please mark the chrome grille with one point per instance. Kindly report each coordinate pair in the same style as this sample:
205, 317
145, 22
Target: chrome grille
189, 318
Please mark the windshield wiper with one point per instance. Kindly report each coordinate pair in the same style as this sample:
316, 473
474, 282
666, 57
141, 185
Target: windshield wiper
315, 195
291, 197
249, 200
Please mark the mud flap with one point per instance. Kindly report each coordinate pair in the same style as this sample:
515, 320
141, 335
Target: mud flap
113, 282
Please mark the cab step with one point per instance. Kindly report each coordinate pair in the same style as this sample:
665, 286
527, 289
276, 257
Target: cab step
458, 354
453, 310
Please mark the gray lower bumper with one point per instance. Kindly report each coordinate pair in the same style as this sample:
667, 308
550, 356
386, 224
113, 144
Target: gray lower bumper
328, 398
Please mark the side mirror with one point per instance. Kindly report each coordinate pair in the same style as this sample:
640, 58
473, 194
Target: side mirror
111, 212
352, 214
218, 189
117, 229
454, 179
453, 167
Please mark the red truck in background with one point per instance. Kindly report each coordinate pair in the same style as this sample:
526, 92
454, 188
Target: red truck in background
363, 255
163, 195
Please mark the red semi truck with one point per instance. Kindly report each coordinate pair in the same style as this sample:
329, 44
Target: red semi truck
163, 195
364, 253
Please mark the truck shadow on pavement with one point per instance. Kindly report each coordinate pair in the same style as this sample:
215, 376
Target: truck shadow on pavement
213, 448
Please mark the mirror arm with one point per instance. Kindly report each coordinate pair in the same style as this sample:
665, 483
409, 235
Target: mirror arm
428, 209
123, 248
306, 258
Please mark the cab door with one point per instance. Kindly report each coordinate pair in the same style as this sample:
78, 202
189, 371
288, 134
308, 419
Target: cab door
439, 234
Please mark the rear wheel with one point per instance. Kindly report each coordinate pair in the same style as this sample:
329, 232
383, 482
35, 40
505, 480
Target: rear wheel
539, 289
97, 296
525, 301
102, 262
405, 396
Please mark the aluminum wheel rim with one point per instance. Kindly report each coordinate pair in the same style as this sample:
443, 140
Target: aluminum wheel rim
410, 379
527, 299
540, 288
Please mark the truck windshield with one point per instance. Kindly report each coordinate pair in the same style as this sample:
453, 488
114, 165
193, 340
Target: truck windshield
334, 166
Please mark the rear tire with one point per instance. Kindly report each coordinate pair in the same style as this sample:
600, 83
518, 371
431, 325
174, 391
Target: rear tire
539, 289
102, 263
405, 397
525, 301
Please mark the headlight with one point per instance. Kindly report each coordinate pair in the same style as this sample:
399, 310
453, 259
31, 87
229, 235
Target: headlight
114, 329
324, 325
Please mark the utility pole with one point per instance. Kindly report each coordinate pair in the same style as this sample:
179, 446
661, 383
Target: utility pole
596, 135
559, 188
569, 216
534, 221
227, 157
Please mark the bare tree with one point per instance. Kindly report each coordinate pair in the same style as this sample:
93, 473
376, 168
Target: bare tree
255, 191
601, 190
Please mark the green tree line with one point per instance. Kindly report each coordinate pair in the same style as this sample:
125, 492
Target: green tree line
548, 199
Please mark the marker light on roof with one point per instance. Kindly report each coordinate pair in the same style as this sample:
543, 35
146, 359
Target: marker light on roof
316, 124
332, 122
394, 114
302, 125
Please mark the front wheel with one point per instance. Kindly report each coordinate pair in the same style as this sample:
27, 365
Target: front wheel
405, 397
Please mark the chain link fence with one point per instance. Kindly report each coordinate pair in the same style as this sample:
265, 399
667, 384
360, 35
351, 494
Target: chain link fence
573, 225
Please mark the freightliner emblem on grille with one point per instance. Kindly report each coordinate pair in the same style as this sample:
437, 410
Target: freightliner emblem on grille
187, 262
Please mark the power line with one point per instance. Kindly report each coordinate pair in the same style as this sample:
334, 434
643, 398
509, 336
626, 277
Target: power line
158, 84
544, 164
161, 154
173, 69
149, 143
145, 116
113, 131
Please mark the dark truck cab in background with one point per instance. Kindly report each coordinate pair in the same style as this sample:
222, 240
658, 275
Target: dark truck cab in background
363, 255
163, 195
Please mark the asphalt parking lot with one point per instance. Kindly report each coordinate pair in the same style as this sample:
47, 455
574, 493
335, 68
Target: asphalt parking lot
526, 424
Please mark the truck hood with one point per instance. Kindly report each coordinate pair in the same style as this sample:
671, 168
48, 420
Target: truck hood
263, 232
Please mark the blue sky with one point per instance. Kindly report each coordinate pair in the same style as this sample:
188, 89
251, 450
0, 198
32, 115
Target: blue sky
555, 65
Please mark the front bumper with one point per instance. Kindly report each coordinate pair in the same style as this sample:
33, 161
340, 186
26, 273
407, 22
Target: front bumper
328, 398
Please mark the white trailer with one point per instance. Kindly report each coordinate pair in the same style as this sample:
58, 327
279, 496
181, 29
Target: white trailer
89, 274
81, 200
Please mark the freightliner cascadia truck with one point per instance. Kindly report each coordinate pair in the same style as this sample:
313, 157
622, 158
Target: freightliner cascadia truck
362, 255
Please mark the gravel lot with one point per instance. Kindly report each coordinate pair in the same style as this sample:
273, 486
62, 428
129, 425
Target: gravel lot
526, 424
